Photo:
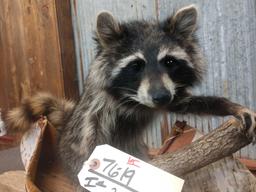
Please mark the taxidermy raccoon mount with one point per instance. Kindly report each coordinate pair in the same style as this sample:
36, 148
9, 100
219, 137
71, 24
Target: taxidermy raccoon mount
141, 68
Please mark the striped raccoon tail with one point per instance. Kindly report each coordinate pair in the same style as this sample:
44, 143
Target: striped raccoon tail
21, 118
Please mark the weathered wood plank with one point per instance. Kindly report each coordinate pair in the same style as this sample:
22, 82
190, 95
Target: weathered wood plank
36, 51
11, 52
49, 46
66, 40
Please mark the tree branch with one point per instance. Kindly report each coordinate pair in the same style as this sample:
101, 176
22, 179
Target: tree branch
221, 142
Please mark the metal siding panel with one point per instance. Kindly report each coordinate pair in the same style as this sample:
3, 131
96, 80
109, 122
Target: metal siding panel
228, 38
227, 34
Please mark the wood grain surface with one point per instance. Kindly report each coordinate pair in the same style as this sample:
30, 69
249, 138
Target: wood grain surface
36, 50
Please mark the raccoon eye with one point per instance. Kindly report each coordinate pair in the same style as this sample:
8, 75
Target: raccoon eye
169, 61
137, 65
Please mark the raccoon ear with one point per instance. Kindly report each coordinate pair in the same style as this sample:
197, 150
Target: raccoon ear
183, 22
108, 29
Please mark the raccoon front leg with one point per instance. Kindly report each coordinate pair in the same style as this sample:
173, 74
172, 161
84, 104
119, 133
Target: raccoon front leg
210, 105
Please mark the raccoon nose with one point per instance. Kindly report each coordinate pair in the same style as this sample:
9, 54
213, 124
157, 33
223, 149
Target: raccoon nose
161, 97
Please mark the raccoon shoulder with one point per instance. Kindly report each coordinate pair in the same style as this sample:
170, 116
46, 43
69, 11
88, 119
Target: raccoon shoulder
31, 109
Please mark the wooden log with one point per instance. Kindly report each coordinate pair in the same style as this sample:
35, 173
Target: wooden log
221, 142
227, 174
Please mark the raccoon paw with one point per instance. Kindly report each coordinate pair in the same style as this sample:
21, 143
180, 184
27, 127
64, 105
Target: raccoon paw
248, 119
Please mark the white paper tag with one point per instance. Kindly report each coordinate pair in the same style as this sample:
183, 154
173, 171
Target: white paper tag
111, 170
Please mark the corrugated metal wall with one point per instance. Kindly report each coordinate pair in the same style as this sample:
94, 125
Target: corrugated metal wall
228, 37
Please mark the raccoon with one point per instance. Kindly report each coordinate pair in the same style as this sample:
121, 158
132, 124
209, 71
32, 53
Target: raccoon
141, 69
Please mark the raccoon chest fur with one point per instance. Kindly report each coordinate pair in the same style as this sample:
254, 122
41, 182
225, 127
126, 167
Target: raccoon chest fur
92, 124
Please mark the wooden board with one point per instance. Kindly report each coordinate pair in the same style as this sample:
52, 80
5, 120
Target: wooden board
36, 50
68, 56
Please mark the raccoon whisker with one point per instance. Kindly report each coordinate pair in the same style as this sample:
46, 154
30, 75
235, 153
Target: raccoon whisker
130, 95
179, 85
135, 106
126, 99
134, 97
123, 99
122, 103
132, 109
126, 89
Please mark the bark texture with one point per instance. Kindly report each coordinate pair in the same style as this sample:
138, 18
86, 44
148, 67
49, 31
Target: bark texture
227, 174
221, 142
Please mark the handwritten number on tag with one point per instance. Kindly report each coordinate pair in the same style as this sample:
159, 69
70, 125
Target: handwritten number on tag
109, 170
112, 173
128, 174
101, 184
113, 170
90, 179
111, 162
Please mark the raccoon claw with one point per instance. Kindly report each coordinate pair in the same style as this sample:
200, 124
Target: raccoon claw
248, 119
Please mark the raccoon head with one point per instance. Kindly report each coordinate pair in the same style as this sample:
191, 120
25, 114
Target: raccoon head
148, 62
